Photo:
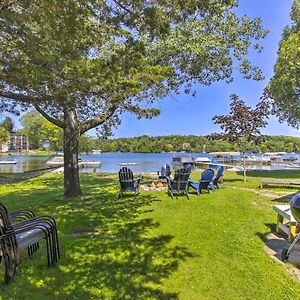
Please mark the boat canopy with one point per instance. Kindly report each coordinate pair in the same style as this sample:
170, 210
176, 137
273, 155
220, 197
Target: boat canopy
224, 153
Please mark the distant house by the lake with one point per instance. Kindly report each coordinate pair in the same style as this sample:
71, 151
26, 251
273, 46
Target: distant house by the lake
16, 143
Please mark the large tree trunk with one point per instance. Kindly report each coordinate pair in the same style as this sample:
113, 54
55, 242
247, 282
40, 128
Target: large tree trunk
71, 140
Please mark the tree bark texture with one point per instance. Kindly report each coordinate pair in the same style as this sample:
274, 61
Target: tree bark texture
71, 168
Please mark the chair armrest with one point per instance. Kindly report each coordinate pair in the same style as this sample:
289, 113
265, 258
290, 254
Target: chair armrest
204, 181
193, 181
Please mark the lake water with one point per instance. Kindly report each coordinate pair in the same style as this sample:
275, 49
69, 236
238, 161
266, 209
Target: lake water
112, 162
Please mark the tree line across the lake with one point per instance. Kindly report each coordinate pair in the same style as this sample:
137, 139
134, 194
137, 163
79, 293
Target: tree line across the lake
43, 135
193, 143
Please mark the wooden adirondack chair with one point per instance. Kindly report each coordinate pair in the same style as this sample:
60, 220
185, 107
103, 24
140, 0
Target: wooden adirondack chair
127, 182
179, 184
165, 172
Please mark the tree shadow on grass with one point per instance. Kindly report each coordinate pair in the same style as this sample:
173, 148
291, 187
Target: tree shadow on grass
276, 242
108, 248
227, 180
284, 199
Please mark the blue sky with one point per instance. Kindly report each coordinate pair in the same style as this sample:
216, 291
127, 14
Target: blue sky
193, 115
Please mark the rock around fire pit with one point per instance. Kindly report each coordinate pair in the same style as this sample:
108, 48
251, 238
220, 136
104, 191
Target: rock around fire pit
154, 186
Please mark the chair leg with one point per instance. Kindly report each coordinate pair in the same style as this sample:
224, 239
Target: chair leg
11, 259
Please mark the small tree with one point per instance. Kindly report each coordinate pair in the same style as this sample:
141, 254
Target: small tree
242, 125
8, 124
4, 135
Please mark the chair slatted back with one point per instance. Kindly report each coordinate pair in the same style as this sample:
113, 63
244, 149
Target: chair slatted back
180, 181
207, 175
168, 170
220, 172
188, 168
126, 179
163, 171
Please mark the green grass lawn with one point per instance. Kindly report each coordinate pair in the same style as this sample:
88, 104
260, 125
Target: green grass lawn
152, 247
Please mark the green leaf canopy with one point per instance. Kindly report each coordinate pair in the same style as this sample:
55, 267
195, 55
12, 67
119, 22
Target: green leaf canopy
104, 57
284, 87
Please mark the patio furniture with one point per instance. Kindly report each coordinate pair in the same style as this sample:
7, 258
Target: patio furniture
179, 185
21, 215
295, 212
127, 182
279, 182
165, 172
25, 234
203, 183
217, 177
285, 221
188, 168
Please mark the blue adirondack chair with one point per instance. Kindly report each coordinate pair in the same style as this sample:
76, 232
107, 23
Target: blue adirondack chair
215, 181
127, 182
179, 185
203, 183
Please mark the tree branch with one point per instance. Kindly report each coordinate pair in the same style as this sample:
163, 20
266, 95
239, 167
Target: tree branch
123, 6
48, 117
23, 98
92, 123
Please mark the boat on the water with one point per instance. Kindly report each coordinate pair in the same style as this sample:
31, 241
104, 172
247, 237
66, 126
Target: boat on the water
253, 159
129, 163
275, 156
202, 160
7, 162
236, 169
89, 164
59, 161
179, 161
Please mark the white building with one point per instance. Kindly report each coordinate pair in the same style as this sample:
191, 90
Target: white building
3, 148
18, 142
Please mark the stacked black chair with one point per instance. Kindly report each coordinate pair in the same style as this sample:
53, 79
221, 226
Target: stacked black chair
127, 182
204, 182
25, 234
179, 184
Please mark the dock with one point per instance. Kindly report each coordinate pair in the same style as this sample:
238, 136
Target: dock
59, 161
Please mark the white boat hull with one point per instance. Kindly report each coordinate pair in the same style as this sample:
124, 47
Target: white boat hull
7, 162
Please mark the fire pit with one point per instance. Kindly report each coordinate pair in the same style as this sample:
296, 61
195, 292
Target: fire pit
154, 186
